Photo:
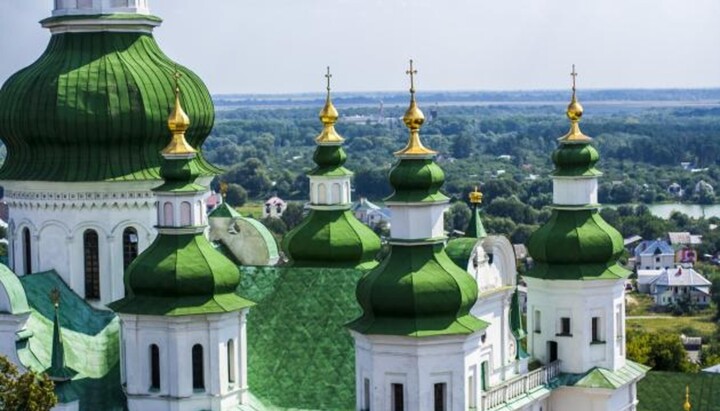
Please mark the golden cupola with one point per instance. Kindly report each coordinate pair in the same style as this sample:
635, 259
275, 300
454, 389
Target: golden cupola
329, 116
178, 123
574, 113
414, 119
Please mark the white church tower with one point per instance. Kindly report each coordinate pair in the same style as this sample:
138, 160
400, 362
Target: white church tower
416, 344
575, 307
183, 341
83, 127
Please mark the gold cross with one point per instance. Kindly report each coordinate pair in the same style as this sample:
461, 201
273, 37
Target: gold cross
55, 296
412, 74
328, 76
574, 76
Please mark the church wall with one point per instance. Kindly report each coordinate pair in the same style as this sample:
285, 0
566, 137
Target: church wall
418, 364
175, 338
58, 214
594, 399
580, 301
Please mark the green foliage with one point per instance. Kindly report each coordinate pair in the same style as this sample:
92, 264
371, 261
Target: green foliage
457, 217
661, 351
24, 392
293, 215
236, 195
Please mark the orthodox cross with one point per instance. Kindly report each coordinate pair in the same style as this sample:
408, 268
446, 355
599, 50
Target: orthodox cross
412, 72
328, 76
574, 76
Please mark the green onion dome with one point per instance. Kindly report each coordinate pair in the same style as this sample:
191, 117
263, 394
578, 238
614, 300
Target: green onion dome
460, 250
181, 274
575, 160
417, 291
576, 245
330, 160
93, 107
417, 180
331, 237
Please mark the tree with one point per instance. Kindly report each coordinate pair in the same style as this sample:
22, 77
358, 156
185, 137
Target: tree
293, 215
236, 195
462, 146
24, 392
457, 217
662, 351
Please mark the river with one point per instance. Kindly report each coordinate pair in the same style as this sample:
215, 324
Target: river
692, 210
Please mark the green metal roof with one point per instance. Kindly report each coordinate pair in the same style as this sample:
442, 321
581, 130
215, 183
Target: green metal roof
660, 391
94, 106
181, 274
460, 250
224, 210
576, 244
91, 343
330, 160
301, 356
417, 291
604, 378
14, 289
331, 238
576, 160
416, 180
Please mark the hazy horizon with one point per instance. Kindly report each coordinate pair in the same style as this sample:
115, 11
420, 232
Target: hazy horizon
282, 46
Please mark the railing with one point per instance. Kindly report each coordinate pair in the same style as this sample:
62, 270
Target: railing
519, 386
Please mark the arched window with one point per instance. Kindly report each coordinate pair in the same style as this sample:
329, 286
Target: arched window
27, 251
185, 213
130, 246
92, 265
336, 192
169, 218
154, 368
231, 360
322, 194
198, 374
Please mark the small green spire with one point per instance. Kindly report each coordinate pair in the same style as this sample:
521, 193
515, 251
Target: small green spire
516, 324
58, 371
475, 226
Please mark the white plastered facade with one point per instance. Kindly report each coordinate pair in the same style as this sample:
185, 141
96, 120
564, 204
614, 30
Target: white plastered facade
223, 340
56, 216
418, 364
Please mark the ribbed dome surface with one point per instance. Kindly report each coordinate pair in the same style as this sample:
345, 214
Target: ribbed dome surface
417, 291
181, 275
93, 107
416, 180
330, 160
332, 237
576, 244
576, 160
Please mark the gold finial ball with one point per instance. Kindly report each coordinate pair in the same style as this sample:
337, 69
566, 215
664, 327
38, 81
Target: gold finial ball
413, 118
574, 111
476, 196
329, 114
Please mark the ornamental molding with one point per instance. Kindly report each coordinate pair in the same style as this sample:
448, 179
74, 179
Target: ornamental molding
78, 200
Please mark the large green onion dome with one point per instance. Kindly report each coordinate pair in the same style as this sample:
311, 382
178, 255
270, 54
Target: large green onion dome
330, 235
93, 108
417, 290
181, 273
576, 243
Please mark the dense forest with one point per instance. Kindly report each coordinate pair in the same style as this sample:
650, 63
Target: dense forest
650, 152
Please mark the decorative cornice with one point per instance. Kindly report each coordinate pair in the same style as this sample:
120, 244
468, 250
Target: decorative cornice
75, 199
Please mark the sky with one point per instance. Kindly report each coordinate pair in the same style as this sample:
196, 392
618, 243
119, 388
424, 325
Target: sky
283, 46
